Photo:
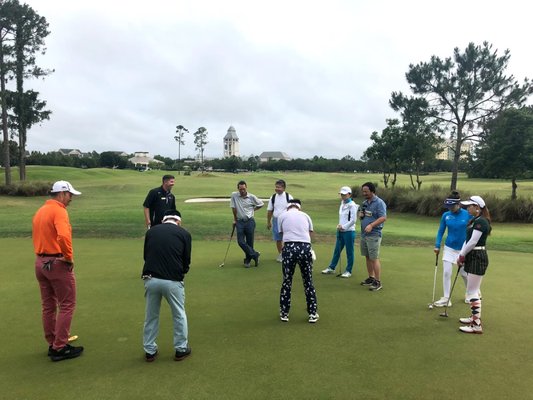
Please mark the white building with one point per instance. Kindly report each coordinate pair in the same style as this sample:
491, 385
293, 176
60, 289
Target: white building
143, 159
231, 143
448, 150
266, 156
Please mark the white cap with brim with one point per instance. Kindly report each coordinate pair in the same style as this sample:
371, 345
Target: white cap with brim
345, 190
64, 186
474, 200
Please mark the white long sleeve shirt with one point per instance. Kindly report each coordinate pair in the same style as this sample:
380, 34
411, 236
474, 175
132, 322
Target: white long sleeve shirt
348, 215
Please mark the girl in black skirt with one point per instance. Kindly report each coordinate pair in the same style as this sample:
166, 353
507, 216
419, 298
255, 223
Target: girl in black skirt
473, 257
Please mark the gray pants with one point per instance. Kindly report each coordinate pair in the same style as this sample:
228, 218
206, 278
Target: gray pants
174, 293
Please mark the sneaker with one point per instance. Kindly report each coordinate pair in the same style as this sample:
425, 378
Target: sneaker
375, 286
368, 281
279, 258
66, 352
313, 318
472, 328
246, 263
256, 258
466, 321
328, 271
284, 317
442, 302
180, 355
150, 357
346, 274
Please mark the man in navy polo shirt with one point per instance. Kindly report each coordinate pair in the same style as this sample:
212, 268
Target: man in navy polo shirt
373, 214
158, 201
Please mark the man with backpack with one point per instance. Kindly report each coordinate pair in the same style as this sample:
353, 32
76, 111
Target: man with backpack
276, 205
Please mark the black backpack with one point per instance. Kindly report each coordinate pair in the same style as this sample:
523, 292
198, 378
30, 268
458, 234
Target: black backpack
273, 198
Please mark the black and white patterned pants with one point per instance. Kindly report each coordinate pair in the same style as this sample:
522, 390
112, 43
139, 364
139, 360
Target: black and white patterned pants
297, 253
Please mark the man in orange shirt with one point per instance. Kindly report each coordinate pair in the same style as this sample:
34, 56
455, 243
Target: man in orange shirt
54, 264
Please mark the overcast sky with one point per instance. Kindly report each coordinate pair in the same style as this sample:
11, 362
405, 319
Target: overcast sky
303, 77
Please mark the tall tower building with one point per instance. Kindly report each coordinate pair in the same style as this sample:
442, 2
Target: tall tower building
231, 143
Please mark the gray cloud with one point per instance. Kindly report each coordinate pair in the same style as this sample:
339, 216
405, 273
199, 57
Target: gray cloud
123, 82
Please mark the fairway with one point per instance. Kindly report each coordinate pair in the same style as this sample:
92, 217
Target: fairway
383, 345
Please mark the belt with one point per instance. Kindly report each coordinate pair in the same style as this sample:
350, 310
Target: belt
245, 219
479, 248
50, 255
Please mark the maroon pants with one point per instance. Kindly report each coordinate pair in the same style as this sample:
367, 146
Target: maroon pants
58, 299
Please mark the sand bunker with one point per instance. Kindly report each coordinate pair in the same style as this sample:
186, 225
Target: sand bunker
207, 199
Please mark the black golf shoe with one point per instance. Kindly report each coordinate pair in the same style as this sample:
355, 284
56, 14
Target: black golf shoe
180, 355
66, 352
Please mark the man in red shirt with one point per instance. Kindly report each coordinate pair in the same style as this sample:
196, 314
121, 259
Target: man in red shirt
54, 264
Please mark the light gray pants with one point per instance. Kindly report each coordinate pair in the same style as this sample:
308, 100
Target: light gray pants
174, 293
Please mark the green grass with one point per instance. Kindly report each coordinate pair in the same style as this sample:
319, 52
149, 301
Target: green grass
384, 345
366, 345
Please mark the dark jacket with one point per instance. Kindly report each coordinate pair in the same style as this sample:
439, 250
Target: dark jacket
167, 252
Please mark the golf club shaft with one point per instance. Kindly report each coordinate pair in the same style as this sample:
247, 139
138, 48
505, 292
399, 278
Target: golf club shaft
229, 243
451, 291
435, 277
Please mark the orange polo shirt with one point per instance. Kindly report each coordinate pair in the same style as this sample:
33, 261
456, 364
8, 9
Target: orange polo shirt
52, 232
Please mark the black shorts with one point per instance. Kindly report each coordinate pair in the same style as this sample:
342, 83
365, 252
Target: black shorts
477, 262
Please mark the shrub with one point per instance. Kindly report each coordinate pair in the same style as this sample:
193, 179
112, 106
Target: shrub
429, 201
26, 189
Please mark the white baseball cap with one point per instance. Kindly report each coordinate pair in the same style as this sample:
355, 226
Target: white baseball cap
64, 186
345, 190
477, 200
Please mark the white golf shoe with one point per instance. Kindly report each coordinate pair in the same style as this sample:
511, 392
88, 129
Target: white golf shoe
442, 302
328, 270
472, 328
346, 274
313, 318
466, 321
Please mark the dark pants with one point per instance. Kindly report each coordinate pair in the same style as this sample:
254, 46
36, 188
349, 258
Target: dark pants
245, 237
297, 253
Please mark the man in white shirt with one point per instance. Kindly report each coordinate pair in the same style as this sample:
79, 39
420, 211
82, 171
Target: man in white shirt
296, 228
276, 205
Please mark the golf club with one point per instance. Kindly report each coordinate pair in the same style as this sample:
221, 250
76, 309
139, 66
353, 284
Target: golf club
445, 313
430, 305
229, 243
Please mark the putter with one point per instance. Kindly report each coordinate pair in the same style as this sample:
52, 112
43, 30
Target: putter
430, 305
229, 243
445, 313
